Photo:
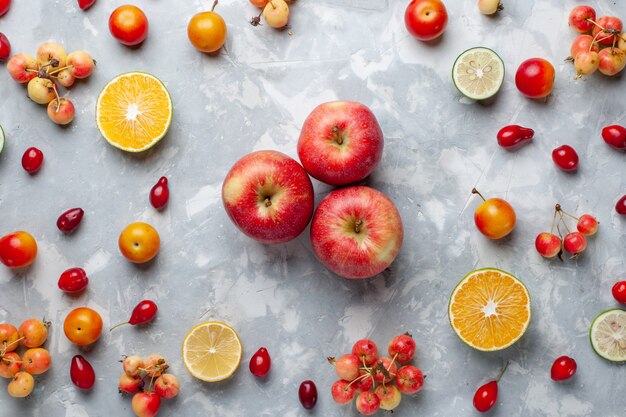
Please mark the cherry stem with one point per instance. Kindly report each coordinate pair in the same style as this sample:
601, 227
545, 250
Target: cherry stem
60, 69
475, 191
118, 325
558, 208
6, 345
358, 379
563, 221
595, 23
553, 220
56, 93
214, 4
506, 365
593, 41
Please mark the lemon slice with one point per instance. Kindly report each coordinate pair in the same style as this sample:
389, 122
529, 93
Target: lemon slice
489, 309
1, 139
478, 73
212, 351
134, 111
608, 335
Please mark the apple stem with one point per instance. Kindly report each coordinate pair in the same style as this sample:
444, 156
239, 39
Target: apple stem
267, 202
337, 136
6, 345
506, 365
475, 191
214, 5
500, 6
357, 225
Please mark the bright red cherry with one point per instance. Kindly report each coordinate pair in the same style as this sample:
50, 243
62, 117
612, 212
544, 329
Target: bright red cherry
143, 313
73, 280
4, 6
307, 393
82, 373
620, 206
487, 395
574, 243
260, 363
514, 136
615, 136
85, 4
566, 158
69, 220
5, 47
32, 160
563, 368
619, 291
160, 194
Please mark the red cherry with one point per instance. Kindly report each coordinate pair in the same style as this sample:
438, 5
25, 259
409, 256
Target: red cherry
486, 396
563, 368
82, 373
307, 394
160, 194
260, 363
32, 160
574, 243
513, 136
565, 157
615, 136
4, 6
620, 206
143, 313
5, 47
619, 291
73, 281
85, 4
69, 220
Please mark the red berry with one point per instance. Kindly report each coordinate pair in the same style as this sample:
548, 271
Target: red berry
4, 6
5, 47
81, 373
69, 220
32, 160
513, 136
563, 368
260, 363
574, 243
307, 393
160, 194
566, 158
619, 291
73, 281
620, 206
143, 313
486, 396
366, 350
615, 136
587, 225
85, 4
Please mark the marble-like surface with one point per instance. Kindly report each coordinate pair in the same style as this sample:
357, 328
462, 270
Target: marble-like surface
255, 95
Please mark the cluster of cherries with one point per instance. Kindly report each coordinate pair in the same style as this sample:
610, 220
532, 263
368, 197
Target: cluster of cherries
148, 381
601, 45
274, 12
372, 377
550, 245
52, 65
31, 334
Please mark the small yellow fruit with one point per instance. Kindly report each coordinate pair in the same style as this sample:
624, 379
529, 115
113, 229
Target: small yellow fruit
276, 13
489, 7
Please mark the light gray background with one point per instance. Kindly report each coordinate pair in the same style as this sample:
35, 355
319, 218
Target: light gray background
255, 95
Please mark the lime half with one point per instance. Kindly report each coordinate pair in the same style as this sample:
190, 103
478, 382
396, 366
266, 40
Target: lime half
608, 335
1, 139
478, 73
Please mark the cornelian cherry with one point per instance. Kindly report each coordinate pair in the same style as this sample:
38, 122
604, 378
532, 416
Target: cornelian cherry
32, 160
615, 136
563, 368
260, 363
514, 136
619, 291
82, 373
307, 393
143, 313
487, 395
160, 194
566, 158
69, 220
620, 206
73, 280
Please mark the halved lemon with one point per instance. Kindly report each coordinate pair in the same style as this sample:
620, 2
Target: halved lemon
134, 111
608, 335
489, 309
212, 351
1, 139
478, 73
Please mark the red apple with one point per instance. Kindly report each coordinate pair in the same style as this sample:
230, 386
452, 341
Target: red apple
356, 232
340, 143
268, 196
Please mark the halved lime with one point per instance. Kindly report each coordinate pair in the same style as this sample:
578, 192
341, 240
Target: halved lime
1, 139
478, 73
608, 335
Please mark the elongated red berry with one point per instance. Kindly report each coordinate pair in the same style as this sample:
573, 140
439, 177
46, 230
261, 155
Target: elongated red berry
160, 194
82, 373
69, 220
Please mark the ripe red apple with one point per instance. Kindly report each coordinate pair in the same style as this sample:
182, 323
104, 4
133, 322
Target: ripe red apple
340, 143
356, 232
268, 196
